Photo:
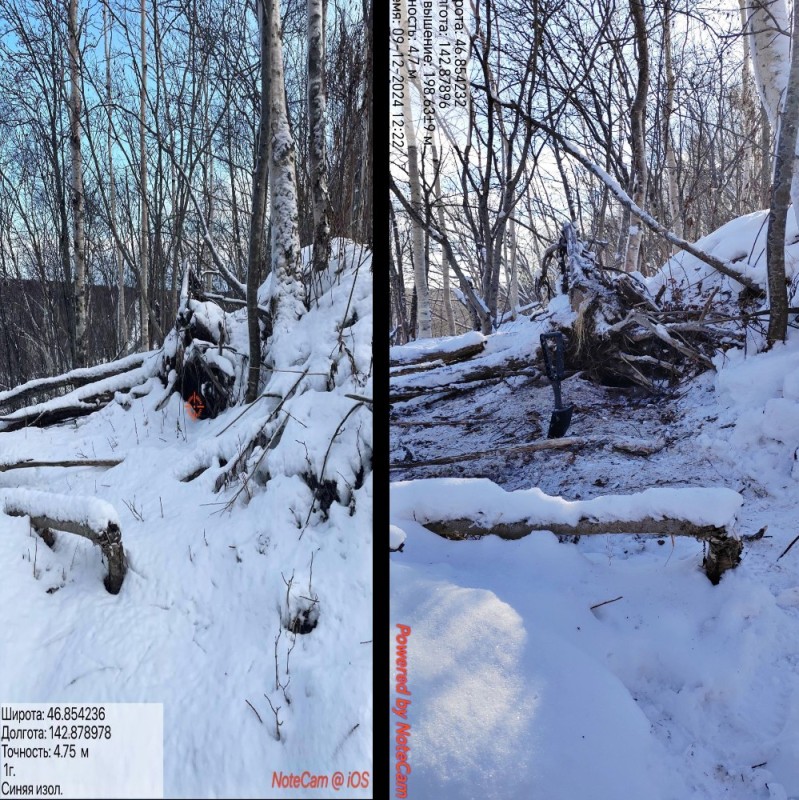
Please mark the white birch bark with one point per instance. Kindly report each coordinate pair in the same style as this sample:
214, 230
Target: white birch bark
317, 124
767, 26
640, 176
287, 301
769, 40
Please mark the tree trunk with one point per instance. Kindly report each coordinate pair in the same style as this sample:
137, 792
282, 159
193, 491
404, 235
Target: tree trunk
119, 264
514, 271
780, 199
424, 313
144, 237
445, 268
668, 141
317, 127
288, 294
639, 175
79, 247
259, 185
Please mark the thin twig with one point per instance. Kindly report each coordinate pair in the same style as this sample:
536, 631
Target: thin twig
253, 708
605, 602
788, 548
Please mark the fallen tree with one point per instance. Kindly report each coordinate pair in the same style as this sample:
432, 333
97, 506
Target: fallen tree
30, 463
724, 551
469, 509
74, 379
620, 335
89, 517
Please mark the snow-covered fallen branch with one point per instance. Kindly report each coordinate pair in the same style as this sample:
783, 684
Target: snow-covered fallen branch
725, 268
30, 463
79, 402
447, 349
85, 516
75, 378
466, 509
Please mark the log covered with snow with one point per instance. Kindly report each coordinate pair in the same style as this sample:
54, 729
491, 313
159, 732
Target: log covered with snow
446, 349
472, 508
89, 397
73, 379
94, 519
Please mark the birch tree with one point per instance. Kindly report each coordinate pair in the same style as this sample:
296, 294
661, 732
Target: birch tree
424, 313
781, 190
259, 188
317, 130
288, 294
77, 201
640, 175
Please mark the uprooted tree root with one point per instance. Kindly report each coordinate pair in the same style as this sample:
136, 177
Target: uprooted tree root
621, 335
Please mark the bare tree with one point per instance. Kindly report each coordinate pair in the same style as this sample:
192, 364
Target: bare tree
317, 128
781, 198
144, 222
288, 293
424, 314
639, 173
259, 188
78, 213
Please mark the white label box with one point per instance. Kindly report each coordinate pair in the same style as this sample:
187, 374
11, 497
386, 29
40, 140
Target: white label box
82, 750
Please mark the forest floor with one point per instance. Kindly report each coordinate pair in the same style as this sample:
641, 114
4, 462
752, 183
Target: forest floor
202, 622
679, 689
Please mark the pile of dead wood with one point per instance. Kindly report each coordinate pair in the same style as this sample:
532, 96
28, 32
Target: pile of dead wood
622, 336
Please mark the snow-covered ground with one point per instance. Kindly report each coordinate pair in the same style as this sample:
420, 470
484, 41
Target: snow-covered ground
200, 623
676, 690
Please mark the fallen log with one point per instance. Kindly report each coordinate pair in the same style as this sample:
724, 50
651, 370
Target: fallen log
462, 380
639, 447
78, 403
74, 379
444, 356
81, 462
93, 519
470, 509
724, 551
531, 447
449, 349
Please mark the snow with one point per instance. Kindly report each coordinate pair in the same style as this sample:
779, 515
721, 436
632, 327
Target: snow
82, 373
416, 350
489, 504
209, 315
200, 622
741, 243
677, 688
89, 511
78, 397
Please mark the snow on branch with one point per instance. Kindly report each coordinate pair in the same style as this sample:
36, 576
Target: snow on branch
726, 268
81, 401
471, 508
94, 519
75, 378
